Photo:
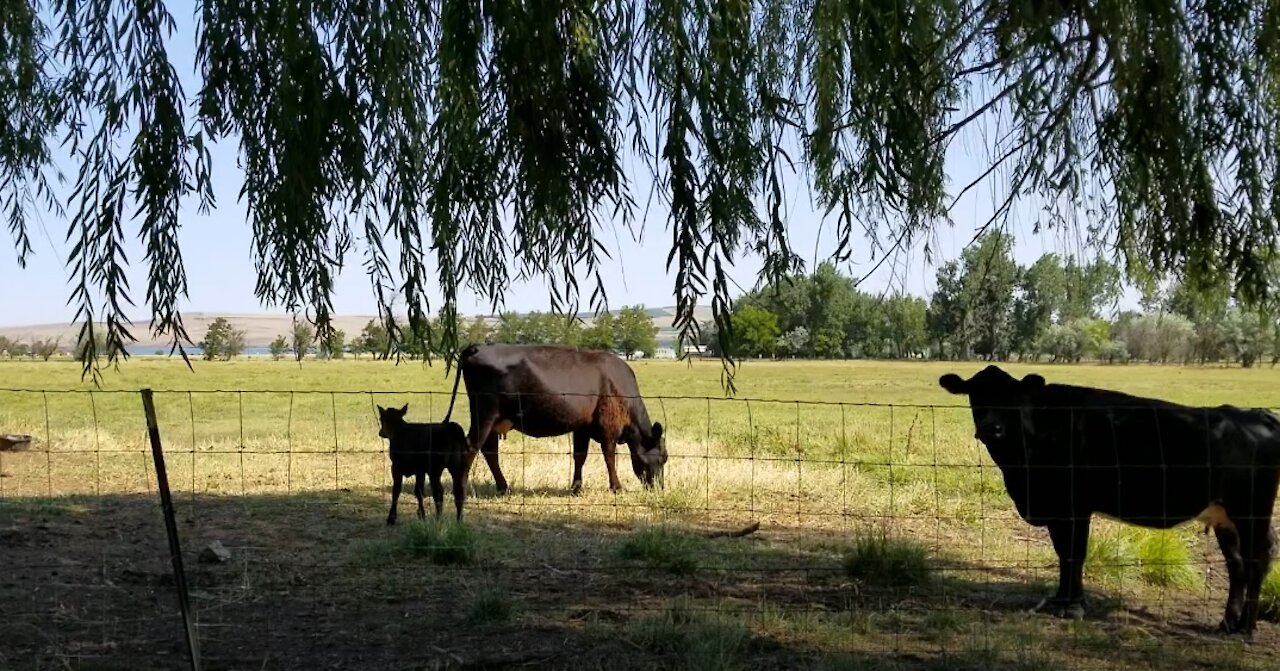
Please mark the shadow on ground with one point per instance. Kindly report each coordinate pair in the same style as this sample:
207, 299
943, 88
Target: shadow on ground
317, 581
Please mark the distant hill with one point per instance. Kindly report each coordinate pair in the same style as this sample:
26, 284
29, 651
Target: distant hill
261, 329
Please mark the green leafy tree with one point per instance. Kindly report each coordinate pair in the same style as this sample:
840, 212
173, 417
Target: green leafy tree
222, 341
478, 332
278, 347
756, 331
635, 331
600, 334
988, 278
945, 318
332, 346
303, 337
372, 340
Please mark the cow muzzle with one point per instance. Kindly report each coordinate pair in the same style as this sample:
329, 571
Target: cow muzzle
992, 431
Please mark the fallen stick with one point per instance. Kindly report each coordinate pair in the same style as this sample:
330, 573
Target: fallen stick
745, 531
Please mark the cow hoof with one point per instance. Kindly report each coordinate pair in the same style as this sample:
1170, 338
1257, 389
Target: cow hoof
391, 521
576, 489
1235, 629
1058, 608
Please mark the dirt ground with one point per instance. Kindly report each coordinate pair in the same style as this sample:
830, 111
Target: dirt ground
314, 583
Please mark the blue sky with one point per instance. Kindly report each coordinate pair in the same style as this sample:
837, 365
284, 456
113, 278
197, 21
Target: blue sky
221, 276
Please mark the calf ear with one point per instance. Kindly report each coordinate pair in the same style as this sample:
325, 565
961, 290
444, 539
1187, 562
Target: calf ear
657, 430
952, 383
1033, 382
380, 409
404, 409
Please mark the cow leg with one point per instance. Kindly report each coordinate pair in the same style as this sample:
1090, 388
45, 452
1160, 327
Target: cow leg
1071, 543
1229, 543
1256, 544
418, 486
437, 490
490, 450
482, 438
581, 445
610, 449
397, 481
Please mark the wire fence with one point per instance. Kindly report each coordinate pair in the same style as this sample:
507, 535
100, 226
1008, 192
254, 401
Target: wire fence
822, 535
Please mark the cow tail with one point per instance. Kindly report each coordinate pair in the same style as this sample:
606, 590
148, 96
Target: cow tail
471, 349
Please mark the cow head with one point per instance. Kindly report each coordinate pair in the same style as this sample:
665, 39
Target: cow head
390, 419
1000, 405
649, 457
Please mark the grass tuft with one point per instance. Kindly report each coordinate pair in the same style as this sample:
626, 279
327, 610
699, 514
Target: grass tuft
1269, 596
438, 543
701, 637
1164, 561
488, 605
877, 559
672, 551
1110, 556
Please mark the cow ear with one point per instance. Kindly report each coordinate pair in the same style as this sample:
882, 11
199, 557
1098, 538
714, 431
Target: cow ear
657, 430
404, 409
380, 409
952, 383
1033, 382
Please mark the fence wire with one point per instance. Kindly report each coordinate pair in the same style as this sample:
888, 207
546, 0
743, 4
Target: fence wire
823, 535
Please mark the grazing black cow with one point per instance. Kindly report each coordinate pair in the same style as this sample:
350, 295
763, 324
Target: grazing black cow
545, 391
1067, 452
420, 449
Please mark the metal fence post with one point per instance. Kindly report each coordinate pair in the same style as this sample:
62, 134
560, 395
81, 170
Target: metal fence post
171, 528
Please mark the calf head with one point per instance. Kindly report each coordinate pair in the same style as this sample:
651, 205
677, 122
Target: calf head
390, 420
1000, 404
649, 456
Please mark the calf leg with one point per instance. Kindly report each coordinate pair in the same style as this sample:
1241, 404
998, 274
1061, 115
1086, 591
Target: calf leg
437, 490
581, 444
1229, 543
397, 481
1071, 543
418, 485
610, 449
459, 476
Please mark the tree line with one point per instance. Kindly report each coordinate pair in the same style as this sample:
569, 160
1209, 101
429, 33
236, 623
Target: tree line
987, 306
630, 331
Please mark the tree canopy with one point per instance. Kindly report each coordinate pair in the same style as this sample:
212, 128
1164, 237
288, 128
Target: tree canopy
465, 135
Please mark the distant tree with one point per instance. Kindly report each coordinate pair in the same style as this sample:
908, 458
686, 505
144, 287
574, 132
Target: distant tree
635, 331
600, 334
222, 341
795, 342
944, 319
6, 347
332, 345
904, 320
99, 339
988, 279
372, 340
755, 331
477, 332
19, 349
278, 347
44, 348
303, 337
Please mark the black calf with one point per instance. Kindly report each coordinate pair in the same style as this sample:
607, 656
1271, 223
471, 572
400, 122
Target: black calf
419, 448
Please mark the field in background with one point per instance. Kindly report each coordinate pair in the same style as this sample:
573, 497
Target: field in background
281, 463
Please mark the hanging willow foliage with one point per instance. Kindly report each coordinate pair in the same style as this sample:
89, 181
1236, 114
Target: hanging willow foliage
479, 134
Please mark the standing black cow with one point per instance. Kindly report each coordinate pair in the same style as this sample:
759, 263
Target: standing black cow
1067, 452
545, 391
